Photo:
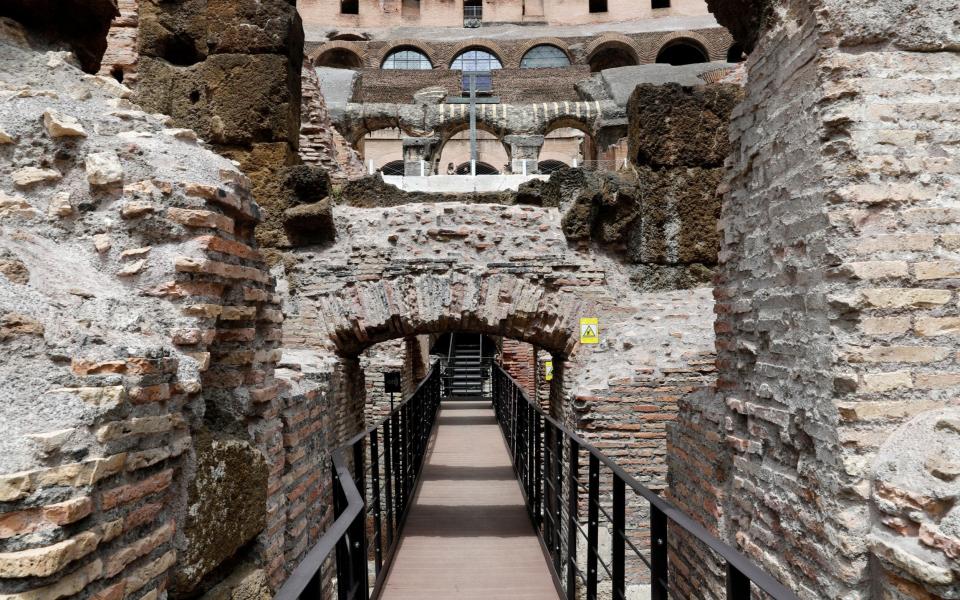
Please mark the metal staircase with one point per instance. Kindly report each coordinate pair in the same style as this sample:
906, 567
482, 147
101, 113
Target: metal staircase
466, 370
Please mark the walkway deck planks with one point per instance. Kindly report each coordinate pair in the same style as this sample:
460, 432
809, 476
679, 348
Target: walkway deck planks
468, 536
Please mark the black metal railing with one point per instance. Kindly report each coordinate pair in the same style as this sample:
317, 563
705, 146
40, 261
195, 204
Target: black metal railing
547, 459
472, 16
375, 475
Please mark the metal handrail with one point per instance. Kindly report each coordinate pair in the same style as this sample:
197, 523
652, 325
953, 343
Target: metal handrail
305, 578
404, 433
533, 424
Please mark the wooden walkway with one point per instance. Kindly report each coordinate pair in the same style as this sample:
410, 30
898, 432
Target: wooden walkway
468, 536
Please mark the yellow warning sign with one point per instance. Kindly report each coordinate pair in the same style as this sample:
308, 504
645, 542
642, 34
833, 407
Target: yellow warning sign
589, 330
548, 370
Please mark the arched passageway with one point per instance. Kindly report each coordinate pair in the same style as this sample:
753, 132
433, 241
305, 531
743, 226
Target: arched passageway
454, 150
682, 52
339, 58
611, 56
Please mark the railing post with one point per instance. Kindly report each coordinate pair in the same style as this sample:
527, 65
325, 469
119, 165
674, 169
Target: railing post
531, 457
388, 472
557, 475
738, 584
618, 567
573, 476
537, 471
658, 554
407, 456
358, 550
314, 589
593, 516
549, 521
377, 505
397, 468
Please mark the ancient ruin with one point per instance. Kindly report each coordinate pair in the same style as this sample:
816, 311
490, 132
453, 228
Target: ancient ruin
479, 299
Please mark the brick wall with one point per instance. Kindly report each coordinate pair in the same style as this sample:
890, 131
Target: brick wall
510, 85
518, 359
320, 143
836, 284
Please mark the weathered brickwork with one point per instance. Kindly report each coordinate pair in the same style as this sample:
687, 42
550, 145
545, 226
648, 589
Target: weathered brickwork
120, 59
156, 324
320, 143
518, 359
641, 47
517, 86
834, 307
376, 362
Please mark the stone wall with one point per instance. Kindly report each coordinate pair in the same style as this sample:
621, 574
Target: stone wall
518, 359
376, 362
834, 303
140, 329
510, 48
122, 53
230, 71
519, 86
321, 144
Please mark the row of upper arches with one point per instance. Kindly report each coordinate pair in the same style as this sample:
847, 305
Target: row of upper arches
475, 59
603, 54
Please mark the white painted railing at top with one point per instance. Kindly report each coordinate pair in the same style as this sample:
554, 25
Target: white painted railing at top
517, 167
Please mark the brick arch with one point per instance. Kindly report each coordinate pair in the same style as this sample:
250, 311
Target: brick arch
521, 50
356, 133
477, 44
452, 128
612, 40
356, 49
680, 36
418, 302
376, 60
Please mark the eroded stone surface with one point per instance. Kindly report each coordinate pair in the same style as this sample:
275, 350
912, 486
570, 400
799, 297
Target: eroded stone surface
226, 508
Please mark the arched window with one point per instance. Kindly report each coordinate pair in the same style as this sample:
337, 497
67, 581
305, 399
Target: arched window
476, 61
408, 59
544, 56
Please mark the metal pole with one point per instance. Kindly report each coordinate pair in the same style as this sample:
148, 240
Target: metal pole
474, 154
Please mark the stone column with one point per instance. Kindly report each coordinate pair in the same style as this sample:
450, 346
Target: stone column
416, 150
525, 147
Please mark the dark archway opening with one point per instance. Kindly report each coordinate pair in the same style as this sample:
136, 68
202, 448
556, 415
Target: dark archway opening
611, 58
339, 58
393, 168
548, 167
482, 169
180, 49
736, 54
682, 53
